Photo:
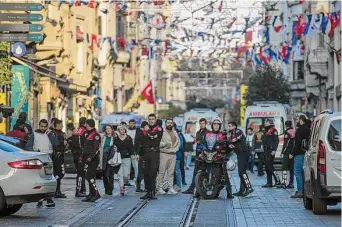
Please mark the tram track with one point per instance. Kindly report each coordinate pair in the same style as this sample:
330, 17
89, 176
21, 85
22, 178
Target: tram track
190, 214
129, 216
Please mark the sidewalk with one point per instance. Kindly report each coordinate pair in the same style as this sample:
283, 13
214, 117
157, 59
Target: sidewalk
274, 207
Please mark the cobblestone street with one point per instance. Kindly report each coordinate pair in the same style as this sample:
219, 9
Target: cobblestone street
265, 207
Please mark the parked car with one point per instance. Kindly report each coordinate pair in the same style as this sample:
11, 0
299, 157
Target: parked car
31, 170
322, 163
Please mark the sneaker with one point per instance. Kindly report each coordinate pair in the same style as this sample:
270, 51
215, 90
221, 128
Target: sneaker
171, 191
297, 195
39, 204
189, 191
139, 191
94, 198
281, 186
161, 192
290, 186
267, 186
146, 196
50, 203
80, 194
59, 195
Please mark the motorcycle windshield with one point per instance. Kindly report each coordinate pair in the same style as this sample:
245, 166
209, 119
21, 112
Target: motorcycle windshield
211, 140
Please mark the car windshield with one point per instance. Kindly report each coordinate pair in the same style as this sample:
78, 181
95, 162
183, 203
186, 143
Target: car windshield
334, 135
8, 147
190, 128
255, 122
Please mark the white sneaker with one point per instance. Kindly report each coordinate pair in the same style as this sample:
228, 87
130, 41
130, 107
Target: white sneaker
161, 192
171, 191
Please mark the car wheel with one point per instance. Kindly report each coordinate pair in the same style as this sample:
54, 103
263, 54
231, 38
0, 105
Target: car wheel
306, 201
2, 200
10, 209
319, 206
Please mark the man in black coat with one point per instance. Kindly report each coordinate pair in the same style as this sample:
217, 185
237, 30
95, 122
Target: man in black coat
301, 145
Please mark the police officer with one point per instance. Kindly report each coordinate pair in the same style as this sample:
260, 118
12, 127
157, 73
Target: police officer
289, 138
200, 146
238, 144
58, 157
270, 145
77, 143
91, 158
150, 144
213, 138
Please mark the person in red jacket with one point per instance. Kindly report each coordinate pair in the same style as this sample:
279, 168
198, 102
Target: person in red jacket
17, 132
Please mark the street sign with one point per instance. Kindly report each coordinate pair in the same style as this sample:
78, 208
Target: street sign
21, 6
18, 49
164, 106
21, 27
20, 17
21, 37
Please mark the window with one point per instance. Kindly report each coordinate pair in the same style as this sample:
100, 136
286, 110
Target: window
298, 70
99, 25
190, 128
320, 40
255, 122
80, 57
120, 26
334, 135
314, 133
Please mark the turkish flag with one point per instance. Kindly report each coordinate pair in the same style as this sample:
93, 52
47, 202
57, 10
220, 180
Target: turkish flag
147, 93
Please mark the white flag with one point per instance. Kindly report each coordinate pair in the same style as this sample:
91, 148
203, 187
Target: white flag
315, 25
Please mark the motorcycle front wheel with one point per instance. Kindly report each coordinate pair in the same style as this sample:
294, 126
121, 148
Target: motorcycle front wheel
204, 188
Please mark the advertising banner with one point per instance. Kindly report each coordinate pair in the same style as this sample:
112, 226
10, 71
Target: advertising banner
243, 92
20, 91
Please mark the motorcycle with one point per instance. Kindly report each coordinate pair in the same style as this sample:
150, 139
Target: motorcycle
209, 180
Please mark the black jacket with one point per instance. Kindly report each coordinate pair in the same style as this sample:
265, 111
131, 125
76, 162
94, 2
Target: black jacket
125, 147
240, 143
288, 141
152, 137
200, 139
270, 141
92, 145
302, 133
138, 143
60, 137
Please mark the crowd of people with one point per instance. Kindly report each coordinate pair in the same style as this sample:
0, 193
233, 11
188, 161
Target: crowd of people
156, 153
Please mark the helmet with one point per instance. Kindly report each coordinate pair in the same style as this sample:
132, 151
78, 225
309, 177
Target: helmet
216, 120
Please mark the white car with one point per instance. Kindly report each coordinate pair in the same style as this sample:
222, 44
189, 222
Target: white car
322, 163
25, 177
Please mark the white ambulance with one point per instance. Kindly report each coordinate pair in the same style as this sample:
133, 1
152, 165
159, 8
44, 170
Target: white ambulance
256, 114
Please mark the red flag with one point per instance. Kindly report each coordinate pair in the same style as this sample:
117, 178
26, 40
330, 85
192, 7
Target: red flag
93, 41
147, 93
78, 3
220, 6
91, 4
338, 56
334, 21
300, 26
301, 1
248, 36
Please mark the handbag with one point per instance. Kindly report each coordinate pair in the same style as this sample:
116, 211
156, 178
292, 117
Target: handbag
116, 160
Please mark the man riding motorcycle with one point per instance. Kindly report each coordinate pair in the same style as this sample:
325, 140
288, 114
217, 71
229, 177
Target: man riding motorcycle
213, 138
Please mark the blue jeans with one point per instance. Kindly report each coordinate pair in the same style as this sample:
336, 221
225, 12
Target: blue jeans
188, 159
252, 161
298, 168
178, 174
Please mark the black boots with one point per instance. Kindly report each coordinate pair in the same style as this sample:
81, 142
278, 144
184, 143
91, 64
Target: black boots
149, 195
